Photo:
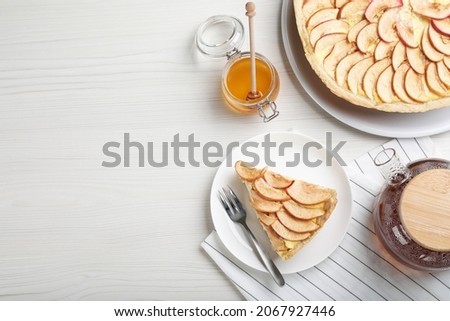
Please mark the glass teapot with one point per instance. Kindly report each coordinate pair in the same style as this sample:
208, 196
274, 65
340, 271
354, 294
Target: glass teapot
412, 211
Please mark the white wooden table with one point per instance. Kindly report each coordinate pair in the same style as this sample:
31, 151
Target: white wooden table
75, 74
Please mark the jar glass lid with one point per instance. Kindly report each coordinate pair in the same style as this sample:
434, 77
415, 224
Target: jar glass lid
220, 36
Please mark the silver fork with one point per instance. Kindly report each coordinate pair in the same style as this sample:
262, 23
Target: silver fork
237, 214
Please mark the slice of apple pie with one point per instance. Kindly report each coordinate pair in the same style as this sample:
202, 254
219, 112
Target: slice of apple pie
390, 55
290, 211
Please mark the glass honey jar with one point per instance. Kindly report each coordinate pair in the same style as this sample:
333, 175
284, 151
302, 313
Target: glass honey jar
223, 36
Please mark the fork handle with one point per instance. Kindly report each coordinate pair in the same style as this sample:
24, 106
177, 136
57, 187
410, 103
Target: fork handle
268, 263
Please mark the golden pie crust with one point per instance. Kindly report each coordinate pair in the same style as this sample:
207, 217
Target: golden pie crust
290, 211
408, 73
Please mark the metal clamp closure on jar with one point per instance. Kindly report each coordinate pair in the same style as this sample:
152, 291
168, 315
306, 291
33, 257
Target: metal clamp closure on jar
273, 108
223, 36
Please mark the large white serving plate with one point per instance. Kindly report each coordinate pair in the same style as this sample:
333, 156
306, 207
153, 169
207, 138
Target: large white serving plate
370, 121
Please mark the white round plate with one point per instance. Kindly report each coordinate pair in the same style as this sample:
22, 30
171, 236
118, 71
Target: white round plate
370, 121
329, 175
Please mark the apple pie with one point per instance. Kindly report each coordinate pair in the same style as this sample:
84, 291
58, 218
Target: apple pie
290, 211
390, 55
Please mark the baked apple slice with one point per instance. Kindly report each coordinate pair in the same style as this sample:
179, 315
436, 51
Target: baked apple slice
340, 50
268, 192
409, 29
353, 11
309, 194
398, 55
356, 74
398, 83
428, 49
387, 25
447, 61
248, 173
344, 66
371, 77
416, 59
439, 41
377, 7
287, 234
367, 38
263, 205
416, 87
442, 26
384, 49
433, 81
312, 6
435, 9
295, 224
266, 218
276, 180
384, 85
354, 31
321, 16
325, 44
326, 28
443, 73
340, 3
301, 212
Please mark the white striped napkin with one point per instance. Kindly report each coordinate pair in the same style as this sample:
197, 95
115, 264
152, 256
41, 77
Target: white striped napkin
359, 269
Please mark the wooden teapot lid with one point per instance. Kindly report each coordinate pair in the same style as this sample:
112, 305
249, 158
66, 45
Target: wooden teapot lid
425, 209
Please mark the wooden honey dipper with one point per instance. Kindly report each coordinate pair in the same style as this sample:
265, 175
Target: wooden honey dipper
251, 13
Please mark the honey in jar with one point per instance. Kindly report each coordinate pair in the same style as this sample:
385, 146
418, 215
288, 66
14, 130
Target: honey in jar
236, 85
238, 80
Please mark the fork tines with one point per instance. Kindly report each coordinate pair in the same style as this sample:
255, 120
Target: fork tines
230, 201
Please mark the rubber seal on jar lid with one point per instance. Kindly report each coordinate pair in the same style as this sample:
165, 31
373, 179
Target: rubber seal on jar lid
220, 36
